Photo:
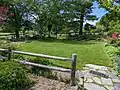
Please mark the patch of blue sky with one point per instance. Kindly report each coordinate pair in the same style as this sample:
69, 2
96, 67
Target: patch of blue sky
99, 12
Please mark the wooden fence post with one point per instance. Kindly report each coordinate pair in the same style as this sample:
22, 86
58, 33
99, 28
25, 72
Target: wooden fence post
73, 69
9, 53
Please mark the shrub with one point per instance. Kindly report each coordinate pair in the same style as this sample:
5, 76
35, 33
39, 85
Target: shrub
114, 55
5, 44
13, 76
111, 51
43, 71
41, 61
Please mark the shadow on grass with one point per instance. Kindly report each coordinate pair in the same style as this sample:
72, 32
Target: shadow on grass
82, 42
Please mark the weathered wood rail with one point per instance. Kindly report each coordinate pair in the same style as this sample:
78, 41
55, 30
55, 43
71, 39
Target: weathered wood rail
4, 34
41, 55
44, 66
73, 60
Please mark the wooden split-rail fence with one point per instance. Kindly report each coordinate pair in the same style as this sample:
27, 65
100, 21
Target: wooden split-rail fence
72, 59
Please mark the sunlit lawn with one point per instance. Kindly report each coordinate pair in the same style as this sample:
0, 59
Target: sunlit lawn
91, 52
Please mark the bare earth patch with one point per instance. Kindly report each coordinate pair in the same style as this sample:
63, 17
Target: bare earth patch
42, 83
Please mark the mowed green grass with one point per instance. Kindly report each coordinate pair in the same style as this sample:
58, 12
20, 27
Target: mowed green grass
88, 52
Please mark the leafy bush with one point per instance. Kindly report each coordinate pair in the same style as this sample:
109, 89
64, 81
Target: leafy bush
43, 71
111, 51
114, 54
5, 44
13, 76
41, 61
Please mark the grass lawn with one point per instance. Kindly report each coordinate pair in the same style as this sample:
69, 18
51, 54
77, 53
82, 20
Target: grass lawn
88, 52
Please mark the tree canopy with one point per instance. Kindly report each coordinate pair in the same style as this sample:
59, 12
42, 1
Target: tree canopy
111, 20
51, 17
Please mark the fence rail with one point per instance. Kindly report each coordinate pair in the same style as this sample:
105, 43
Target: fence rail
41, 55
38, 55
5, 34
44, 66
3, 50
73, 60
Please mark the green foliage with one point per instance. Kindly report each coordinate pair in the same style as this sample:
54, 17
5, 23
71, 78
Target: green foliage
110, 21
114, 26
113, 54
5, 44
59, 14
111, 51
41, 61
42, 71
110, 5
13, 76
99, 28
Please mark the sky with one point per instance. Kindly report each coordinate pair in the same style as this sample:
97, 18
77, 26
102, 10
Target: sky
99, 12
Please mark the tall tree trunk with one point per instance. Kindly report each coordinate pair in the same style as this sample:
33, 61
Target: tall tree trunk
49, 30
56, 30
49, 34
40, 32
17, 34
40, 28
81, 24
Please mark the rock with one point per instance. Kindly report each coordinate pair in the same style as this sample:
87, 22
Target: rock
116, 80
117, 87
109, 87
85, 68
91, 86
102, 71
106, 81
97, 80
89, 80
80, 82
112, 74
97, 67
74, 88
79, 74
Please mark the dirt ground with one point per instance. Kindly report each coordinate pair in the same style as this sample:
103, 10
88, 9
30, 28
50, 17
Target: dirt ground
42, 83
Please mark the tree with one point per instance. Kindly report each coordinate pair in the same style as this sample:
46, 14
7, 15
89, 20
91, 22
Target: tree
100, 28
79, 11
56, 14
88, 27
3, 13
110, 5
48, 15
111, 20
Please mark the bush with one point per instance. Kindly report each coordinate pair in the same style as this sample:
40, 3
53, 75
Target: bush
111, 51
13, 76
43, 71
114, 55
5, 44
41, 61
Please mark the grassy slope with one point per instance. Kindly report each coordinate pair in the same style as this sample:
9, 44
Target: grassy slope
87, 51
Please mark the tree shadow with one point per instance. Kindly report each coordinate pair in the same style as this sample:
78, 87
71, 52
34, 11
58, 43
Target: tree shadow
80, 42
